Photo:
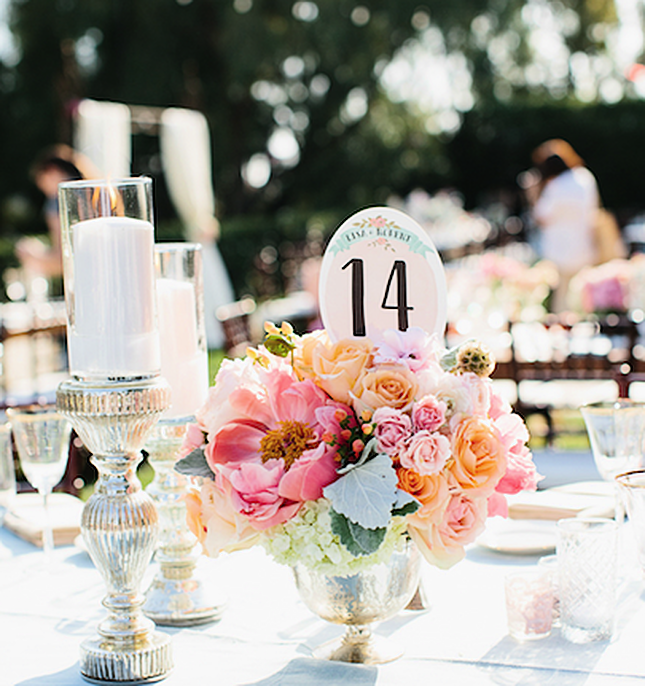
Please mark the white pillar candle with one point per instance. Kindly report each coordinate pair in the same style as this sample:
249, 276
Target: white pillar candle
112, 327
183, 363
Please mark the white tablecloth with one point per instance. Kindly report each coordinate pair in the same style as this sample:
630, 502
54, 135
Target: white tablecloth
266, 634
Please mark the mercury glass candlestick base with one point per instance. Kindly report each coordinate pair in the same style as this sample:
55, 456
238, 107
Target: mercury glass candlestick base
119, 523
177, 596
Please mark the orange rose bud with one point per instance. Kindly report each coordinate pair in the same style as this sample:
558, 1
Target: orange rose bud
358, 445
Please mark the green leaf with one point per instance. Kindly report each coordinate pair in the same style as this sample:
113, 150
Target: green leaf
357, 539
366, 493
405, 504
194, 464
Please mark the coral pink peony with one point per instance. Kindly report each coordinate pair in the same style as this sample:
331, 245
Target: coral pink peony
254, 493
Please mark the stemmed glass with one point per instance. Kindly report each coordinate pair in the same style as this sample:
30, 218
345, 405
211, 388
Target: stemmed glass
616, 433
42, 438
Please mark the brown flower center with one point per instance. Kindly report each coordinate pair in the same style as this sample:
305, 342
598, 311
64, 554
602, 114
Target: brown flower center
287, 442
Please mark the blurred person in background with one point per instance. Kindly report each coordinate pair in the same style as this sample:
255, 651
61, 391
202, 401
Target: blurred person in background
565, 207
53, 166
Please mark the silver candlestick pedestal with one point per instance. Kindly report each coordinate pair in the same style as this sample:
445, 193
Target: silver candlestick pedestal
119, 523
177, 596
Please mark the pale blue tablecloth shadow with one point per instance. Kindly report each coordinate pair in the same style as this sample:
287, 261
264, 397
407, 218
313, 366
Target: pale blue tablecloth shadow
309, 672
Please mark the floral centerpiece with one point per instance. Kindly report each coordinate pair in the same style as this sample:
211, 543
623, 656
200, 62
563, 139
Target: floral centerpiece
330, 453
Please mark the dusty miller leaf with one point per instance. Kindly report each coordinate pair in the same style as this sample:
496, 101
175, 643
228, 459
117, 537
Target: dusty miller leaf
366, 493
194, 464
357, 539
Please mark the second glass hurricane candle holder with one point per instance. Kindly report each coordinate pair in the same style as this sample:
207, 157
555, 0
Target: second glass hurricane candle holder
178, 596
113, 400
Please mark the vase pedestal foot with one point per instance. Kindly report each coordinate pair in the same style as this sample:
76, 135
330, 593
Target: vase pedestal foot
359, 646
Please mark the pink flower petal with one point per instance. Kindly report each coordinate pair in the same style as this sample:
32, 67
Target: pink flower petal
237, 441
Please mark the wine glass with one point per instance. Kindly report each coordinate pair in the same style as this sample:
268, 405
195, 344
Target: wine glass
616, 433
42, 438
7, 471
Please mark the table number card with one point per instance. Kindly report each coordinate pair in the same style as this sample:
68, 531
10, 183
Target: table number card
381, 271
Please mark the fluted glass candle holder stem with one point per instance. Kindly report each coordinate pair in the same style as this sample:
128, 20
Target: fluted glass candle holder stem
119, 523
177, 596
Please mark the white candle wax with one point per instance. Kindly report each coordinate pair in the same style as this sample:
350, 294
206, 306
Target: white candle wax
184, 364
112, 329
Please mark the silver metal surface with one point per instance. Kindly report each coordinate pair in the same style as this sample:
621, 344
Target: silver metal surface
177, 595
360, 599
119, 523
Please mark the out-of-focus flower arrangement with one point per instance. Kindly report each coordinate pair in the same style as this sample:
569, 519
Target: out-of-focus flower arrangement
615, 286
444, 218
329, 454
499, 284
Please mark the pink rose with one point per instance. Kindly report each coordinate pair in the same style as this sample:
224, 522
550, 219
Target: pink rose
497, 505
255, 493
426, 452
443, 544
393, 428
429, 413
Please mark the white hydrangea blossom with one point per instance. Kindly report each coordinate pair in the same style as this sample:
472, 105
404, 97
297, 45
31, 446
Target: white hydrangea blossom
308, 539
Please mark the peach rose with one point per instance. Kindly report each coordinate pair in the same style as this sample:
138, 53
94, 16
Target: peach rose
303, 355
443, 544
431, 491
216, 525
339, 366
478, 456
393, 386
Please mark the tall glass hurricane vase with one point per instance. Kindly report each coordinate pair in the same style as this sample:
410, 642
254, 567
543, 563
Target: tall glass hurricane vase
178, 596
113, 400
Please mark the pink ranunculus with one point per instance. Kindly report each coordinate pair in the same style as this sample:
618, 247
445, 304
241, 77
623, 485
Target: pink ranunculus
393, 428
443, 544
429, 413
309, 475
426, 452
413, 347
255, 493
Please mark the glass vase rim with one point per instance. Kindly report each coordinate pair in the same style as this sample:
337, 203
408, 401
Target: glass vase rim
34, 413
623, 479
168, 246
613, 405
106, 183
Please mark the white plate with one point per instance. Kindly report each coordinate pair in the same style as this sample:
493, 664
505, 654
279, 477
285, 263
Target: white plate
519, 536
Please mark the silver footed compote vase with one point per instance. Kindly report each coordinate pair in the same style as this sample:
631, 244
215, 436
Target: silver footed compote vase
178, 596
358, 600
113, 399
